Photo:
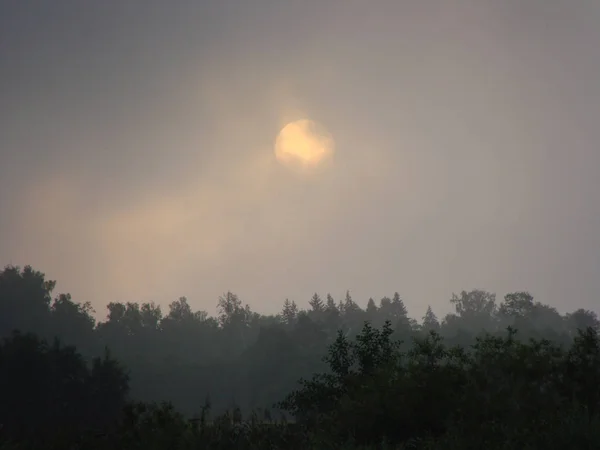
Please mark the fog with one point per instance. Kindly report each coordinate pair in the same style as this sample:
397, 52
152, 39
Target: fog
137, 160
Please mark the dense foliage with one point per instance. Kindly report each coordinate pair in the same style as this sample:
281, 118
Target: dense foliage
512, 375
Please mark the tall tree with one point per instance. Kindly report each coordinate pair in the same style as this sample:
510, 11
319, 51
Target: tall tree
516, 305
583, 319
385, 309
399, 311
331, 306
371, 307
25, 297
289, 312
332, 315
151, 315
474, 303
316, 304
475, 309
350, 305
235, 322
430, 320
51, 396
73, 323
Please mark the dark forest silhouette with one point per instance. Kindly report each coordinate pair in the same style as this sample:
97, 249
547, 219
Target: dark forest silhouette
494, 374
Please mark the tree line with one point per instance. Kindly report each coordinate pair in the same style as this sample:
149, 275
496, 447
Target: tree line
490, 373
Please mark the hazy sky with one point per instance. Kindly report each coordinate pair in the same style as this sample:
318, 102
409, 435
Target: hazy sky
137, 163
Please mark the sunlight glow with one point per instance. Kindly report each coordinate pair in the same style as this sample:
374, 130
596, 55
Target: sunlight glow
303, 145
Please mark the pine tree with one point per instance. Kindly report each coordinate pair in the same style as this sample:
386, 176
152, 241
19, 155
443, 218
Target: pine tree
349, 304
331, 306
371, 306
316, 303
289, 312
399, 312
384, 312
430, 320
332, 314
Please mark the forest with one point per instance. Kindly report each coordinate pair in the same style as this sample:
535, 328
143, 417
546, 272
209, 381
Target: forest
510, 373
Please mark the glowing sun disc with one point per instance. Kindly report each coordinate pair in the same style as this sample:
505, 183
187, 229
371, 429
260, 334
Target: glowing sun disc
303, 145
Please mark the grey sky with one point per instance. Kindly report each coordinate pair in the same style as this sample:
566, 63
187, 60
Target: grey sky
136, 158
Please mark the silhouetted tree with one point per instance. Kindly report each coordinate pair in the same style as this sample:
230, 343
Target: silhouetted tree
473, 385
316, 304
50, 395
289, 312
25, 297
430, 321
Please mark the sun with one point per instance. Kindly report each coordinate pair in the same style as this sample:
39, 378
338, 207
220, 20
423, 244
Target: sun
303, 145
